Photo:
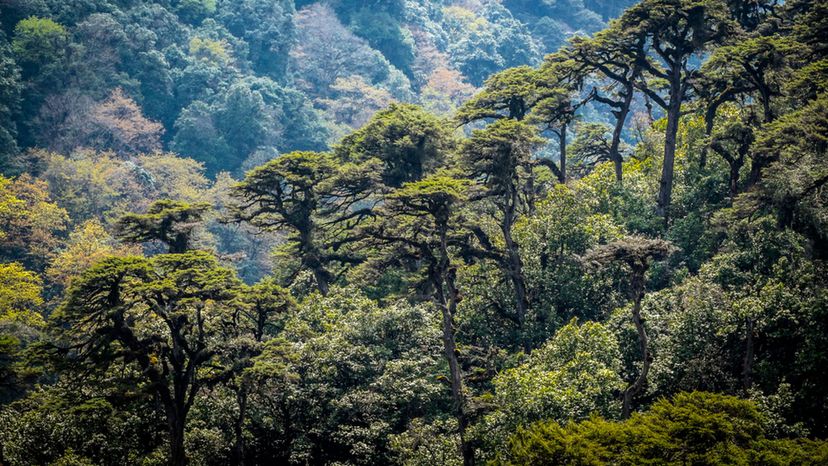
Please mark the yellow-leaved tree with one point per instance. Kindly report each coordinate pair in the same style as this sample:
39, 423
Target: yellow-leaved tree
88, 244
20, 297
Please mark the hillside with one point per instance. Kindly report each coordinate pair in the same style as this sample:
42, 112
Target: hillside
294, 76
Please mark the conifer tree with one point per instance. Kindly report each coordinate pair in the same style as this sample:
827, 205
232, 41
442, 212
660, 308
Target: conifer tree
170, 222
634, 253
420, 224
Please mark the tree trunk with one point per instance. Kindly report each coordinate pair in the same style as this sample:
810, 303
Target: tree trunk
176, 402
665, 191
643, 341
176, 423
450, 348
515, 272
735, 163
444, 282
321, 277
238, 427
709, 120
765, 98
529, 192
735, 168
757, 165
747, 363
311, 259
562, 143
514, 268
287, 429
517, 109
621, 119
179, 244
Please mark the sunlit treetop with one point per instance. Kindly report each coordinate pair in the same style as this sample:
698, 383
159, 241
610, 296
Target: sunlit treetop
408, 141
168, 221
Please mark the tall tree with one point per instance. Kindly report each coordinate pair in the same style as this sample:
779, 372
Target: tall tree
500, 158
732, 141
29, 221
675, 33
20, 295
634, 253
555, 113
164, 318
754, 69
507, 94
614, 56
87, 244
41, 49
265, 307
750, 14
755, 66
303, 194
10, 96
284, 194
419, 225
267, 27
117, 124
792, 148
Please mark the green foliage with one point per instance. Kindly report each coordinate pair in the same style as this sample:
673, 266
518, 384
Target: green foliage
797, 176
267, 28
693, 329
56, 426
29, 220
348, 373
384, 33
306, 194
501, 152
268, 307
590, 147
574, 375
193, 11
111, 316
563, 229
39, 43
428, 203
509, 93
698, 428
427, 443
482, 45
171, 222
250, 115
184, 61
197, 135
10, 95
408, 142
40, 48
209, 50
21, 320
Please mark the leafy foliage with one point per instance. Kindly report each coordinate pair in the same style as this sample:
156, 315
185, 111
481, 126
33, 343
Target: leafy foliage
693, 427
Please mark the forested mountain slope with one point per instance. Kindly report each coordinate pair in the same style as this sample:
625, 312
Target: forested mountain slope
234, 81
413, 232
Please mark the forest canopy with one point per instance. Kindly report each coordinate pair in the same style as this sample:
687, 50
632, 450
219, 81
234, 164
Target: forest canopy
413, 232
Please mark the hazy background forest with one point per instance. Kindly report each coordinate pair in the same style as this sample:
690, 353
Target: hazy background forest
413, 232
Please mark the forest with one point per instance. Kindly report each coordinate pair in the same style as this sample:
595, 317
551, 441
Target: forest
413, 232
